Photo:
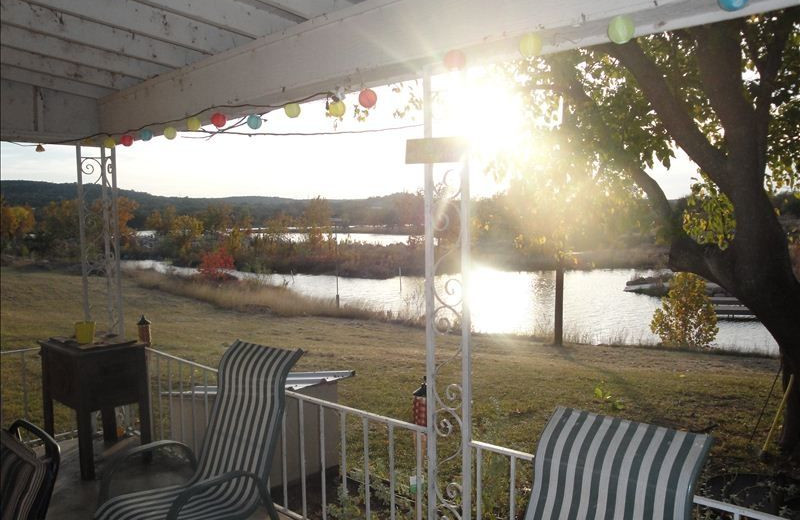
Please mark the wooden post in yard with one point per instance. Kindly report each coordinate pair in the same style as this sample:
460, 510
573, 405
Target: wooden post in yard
558, 327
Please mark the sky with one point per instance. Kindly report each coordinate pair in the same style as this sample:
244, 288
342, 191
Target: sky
344, 166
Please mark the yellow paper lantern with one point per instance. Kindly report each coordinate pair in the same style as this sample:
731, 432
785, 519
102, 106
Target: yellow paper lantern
337, 109
292, 110
620, 29
170, 132
109, 142
530, 45
193, 124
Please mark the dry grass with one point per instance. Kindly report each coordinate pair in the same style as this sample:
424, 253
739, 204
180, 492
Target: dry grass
249, 296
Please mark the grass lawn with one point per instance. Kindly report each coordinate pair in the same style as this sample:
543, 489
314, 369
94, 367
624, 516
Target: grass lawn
517, 382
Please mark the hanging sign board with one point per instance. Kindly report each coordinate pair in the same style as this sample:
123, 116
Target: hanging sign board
436, 150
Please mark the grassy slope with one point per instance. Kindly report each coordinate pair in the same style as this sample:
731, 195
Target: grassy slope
516, 382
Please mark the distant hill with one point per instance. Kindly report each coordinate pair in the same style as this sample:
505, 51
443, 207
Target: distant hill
38, 194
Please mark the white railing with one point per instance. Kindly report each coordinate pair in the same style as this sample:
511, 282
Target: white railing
316, 434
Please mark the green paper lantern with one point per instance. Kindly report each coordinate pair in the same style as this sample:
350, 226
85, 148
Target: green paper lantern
530, 45
170, 132
254, 121
337, 109
193, 124
620, 29
109, 142
292, 110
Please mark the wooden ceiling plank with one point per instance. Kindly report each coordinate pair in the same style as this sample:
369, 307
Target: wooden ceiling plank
73, 29
229, 15
51, 82
65, 69
147, 21
77, 53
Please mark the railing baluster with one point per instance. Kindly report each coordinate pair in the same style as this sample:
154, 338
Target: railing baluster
365, 423
170, 398
419, 475
478, 483
302, 427
512, 486
205, 397
343, 428
322, 461
194, 424
391, 472
283, 462
158, 398
180, 393
24, 389
150, 357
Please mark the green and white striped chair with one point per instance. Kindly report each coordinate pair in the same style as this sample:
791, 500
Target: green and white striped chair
590, 466
236, 456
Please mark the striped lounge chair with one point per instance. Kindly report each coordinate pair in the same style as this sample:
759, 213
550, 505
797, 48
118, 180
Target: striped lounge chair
26, 479
234, 462
589, 466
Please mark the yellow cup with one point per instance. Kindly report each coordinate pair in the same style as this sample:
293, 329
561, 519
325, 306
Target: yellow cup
84, 331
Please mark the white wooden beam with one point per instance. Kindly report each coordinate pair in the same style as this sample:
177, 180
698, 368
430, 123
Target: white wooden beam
307, 9
51, 82
73, 29
147, 21
229, 15
63, 116
380, 41
77, 53
65, 69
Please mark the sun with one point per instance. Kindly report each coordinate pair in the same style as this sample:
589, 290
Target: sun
482, 105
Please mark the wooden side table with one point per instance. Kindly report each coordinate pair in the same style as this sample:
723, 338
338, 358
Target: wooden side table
95, 377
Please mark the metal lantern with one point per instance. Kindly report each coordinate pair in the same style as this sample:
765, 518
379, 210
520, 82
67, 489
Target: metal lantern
144, 330
419, 406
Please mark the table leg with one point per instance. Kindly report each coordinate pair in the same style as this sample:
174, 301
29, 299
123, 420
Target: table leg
109, 424
85, 448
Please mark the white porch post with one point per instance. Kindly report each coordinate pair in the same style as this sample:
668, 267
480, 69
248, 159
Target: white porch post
107, 231
446, 308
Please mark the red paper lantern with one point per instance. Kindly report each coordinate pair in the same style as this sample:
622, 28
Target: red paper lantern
218, 119
419, 405
126, 140
367, 98
455, 60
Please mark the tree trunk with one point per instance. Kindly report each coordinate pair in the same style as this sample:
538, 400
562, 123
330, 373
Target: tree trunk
756, 269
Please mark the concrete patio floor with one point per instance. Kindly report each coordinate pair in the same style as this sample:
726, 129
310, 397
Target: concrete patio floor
76, 499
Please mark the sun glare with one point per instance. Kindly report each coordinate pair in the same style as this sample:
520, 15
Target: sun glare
483, 106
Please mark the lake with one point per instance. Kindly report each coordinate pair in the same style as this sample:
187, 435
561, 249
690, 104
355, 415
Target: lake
596, 308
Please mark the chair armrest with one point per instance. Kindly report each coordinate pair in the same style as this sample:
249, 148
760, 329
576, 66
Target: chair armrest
192, 490
51, 448
115, 463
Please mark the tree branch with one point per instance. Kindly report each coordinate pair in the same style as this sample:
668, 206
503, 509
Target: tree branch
672, 113
574, 90
768, 67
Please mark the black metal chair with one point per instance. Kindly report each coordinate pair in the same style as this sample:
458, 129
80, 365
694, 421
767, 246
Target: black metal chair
27, 479
236, 457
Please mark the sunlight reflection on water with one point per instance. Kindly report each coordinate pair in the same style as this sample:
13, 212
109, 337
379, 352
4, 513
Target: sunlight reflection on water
596, 309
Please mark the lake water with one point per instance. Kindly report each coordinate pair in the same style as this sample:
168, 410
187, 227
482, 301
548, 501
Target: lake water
366, 238
596, 309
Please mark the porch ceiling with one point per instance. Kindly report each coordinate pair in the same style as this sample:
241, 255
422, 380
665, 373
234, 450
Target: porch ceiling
72, 68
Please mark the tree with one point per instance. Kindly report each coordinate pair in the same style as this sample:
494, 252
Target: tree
686, 317
15, 223
184, 231
317, 219
726, 94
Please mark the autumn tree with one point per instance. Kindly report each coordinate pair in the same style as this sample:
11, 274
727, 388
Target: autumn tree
184, 231
727, 95
15, 223
317, 219
686, 317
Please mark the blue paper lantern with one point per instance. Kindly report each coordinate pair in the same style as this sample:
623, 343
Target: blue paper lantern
254, 121
145, 134
732, 5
